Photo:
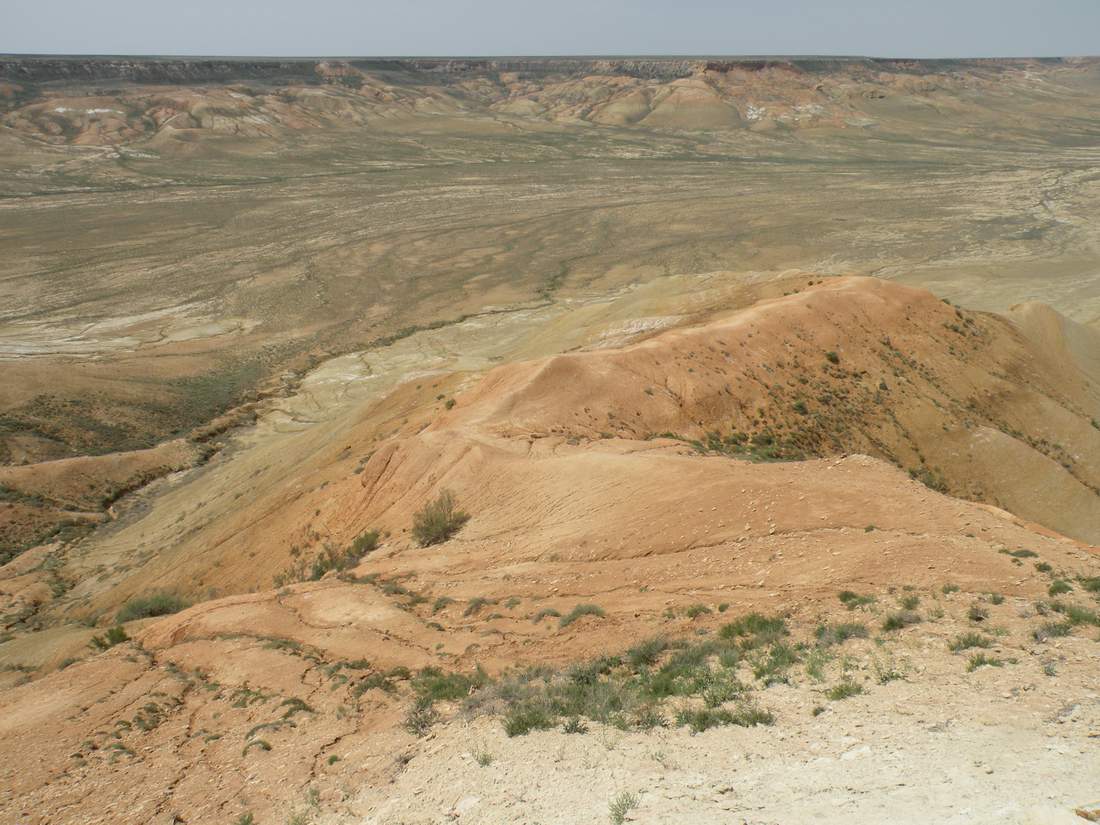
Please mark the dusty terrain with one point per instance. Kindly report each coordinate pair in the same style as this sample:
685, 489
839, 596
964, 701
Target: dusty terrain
663, 328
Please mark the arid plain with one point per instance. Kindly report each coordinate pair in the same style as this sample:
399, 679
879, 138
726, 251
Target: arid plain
699, 347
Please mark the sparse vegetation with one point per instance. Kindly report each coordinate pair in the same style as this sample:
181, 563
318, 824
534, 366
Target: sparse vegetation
483, 756
114, 636
144, 607
852, 600
473, 607
899, 620
580, 611
835, 634
969, 640
1058, 587
438, 520
421, 716
844, 690
977, 613
329, 559
978, 660
545, 613
620, 806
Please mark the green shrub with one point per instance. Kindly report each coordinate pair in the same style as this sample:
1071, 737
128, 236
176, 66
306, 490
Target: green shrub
646, 653
114, 636
910, 601
144, 607
896, 621
544, 613
439, 686
1052, 630
981, 660
844, 690
475, 604
755, 629
438, 520
696, 610
969, 640
525, 717
1058, 587
771, 667
852, 600
835, 634
620, 806
579, 611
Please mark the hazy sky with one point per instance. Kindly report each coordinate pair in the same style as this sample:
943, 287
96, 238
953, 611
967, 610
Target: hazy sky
929, 28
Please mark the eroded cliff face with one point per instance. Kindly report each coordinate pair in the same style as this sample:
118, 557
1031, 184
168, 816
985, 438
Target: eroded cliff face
123, 100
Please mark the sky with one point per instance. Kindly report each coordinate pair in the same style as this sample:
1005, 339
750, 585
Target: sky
885, 28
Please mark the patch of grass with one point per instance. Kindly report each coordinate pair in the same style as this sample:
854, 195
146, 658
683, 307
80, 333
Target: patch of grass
1058, 587
886, 670
755, 630
544, 613
977, 613
114, 636
996, 598
835, 634
1077, 615
646, 653
897, 621
843, 690
701, 719
816, 660
978, 660
966, 641
295, 705
620, 806
1089, 583
909, 601
1019, 554
475, 604
950, 588
421, 716
772, 665
580, 611
1052, 630
574, 724
852, 600
483, 756
262, 744
246, 819
441, 603
155, 604
433, 683
525, 717
696, 610
1043, 567
438, 520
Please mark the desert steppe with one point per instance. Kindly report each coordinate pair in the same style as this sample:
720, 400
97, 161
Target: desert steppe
768, 390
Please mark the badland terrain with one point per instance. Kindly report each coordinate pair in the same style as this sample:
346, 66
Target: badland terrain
549, 440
